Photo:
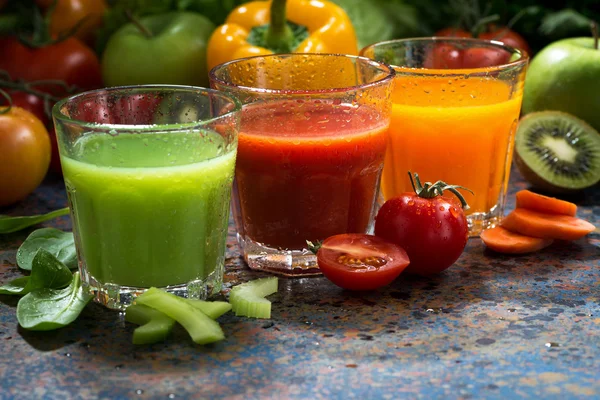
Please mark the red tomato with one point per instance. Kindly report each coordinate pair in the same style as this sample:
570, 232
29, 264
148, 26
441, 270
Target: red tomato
356, 261
29, 102
69, 13
433, 231
447, 57
25, 154
69, 61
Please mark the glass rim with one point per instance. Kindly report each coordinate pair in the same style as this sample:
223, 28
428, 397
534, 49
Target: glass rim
59, 116
390, 74
522, 60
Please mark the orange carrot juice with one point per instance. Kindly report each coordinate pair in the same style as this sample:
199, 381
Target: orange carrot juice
451, 128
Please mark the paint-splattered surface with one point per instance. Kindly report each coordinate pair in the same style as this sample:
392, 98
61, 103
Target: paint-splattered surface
492, 326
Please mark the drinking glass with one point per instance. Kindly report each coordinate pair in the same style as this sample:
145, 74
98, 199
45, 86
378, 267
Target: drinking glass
311, 149
148, 172
456, 105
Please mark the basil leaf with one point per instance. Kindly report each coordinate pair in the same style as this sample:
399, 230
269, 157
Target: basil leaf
58, 243
10, 224
48, 309
16, 286
46, 272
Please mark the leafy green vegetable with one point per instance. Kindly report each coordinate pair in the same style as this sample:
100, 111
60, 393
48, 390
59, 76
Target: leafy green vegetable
46, 272
16, 286
154, 325
60, 244
564, 23
10, 224
379, 20
201, 327
48, 309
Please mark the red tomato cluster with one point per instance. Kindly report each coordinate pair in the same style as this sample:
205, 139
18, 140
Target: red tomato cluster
445, 56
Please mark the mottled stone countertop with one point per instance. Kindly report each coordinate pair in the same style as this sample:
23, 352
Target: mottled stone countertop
492, 326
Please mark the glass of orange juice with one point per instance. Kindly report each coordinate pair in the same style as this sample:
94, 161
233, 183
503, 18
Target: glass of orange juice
456, 104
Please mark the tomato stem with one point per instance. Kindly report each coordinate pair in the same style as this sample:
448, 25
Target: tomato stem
6, 109
430, 190
29, 87
314, 247
595, 33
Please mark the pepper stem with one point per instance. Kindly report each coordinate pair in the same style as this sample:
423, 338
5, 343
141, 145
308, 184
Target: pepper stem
595, 34
279, 36
430, 190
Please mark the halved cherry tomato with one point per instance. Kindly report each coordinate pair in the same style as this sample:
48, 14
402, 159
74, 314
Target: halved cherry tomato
433, 230
493, 32
356, 261
25, 154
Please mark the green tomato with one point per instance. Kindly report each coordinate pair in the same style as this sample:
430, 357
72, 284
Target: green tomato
172, 51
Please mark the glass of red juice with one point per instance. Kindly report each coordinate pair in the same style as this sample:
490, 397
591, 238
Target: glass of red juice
310, 153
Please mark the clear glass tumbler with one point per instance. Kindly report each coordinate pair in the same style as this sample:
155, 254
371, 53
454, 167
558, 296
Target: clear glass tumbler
311, 149
456, 106
148, 172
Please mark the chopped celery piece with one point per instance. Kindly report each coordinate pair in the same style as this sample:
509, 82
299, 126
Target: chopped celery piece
200, 326
248, 299
213, 309
154, 325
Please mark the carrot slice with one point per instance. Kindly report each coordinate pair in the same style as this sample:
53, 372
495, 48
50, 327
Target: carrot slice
545, 204
547, 226
504, 241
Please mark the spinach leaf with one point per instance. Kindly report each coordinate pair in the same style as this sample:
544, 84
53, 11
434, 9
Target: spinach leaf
10, 224
60, 244
48, 309
46, 272
16, 286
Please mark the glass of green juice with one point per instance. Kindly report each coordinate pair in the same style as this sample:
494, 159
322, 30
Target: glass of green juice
148, 172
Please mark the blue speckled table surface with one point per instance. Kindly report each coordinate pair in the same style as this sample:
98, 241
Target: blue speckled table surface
492, 326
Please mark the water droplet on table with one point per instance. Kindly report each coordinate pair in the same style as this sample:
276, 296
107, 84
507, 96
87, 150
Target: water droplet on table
139, 391
552, 344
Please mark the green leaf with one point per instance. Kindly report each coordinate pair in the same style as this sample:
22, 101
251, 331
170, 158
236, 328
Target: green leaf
16, 286
49, 309
58, 243
10, 224
564, 23
46, 272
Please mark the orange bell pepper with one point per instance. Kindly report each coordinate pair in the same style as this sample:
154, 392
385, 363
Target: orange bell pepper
263, 27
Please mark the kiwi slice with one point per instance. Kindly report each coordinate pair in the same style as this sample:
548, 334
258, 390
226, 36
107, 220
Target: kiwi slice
557, 152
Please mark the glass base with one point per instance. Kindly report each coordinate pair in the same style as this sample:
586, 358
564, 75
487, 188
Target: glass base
290, 263
118, 297
478, 222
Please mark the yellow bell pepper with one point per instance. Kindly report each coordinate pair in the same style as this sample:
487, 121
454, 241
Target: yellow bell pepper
261, 27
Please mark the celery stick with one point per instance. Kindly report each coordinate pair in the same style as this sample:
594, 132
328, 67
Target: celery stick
213, 309
248, 299
154, 325
201, 327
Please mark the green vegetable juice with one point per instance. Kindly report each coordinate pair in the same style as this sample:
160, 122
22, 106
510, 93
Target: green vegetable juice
150, 209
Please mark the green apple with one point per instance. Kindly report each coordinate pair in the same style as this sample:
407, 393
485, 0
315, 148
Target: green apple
565, 76
163, 49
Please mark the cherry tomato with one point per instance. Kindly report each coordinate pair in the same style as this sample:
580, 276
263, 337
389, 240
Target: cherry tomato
448, 57
25, 154
356, 261
30, 102
69, 61
433, 231
69, 13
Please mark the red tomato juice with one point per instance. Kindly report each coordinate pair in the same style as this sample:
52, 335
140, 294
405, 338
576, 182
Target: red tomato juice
307, 170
